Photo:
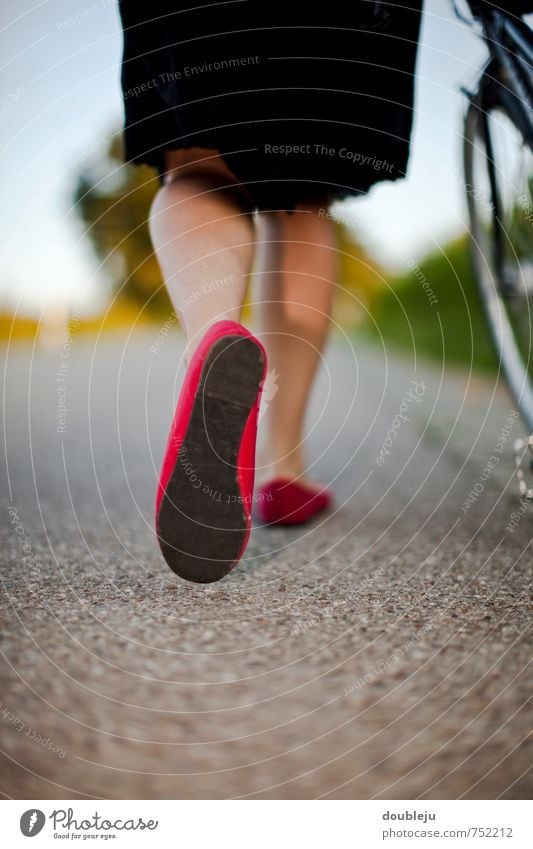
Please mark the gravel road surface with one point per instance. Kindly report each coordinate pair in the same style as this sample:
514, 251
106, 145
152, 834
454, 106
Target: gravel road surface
381, 652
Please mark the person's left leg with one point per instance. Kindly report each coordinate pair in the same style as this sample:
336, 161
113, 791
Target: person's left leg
295, 278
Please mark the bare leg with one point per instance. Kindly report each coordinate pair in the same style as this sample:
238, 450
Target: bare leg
296, 272
203, 233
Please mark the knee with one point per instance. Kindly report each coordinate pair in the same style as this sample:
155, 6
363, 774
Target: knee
316, 209
196, 172
310, 221
193, 162
315, 218
203, 172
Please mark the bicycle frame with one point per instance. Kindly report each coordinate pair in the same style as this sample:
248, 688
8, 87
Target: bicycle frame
509, 42
510, 45
505, 84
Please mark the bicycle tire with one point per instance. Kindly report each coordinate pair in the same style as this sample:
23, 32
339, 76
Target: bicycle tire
488, 265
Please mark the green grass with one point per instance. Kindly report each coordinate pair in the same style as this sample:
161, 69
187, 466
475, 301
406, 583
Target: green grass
435, 310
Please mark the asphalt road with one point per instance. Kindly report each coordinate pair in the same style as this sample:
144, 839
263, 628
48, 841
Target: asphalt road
381, 652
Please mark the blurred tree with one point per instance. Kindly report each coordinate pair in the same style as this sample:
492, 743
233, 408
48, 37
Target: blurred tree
434, 310
113, 201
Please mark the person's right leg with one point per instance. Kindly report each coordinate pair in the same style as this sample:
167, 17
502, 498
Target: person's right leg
203, 234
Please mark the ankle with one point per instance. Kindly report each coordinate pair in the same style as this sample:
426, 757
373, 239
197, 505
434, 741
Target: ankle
288, 467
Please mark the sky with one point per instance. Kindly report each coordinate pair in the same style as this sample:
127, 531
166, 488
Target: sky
60, 101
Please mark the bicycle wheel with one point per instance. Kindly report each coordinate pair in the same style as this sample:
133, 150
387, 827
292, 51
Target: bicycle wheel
498, 167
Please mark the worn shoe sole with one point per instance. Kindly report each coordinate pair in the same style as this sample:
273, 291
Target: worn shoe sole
203, 523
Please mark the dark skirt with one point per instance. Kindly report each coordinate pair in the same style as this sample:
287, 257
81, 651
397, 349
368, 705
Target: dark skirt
303, 102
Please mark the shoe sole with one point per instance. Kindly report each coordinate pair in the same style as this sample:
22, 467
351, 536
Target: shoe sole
202, 525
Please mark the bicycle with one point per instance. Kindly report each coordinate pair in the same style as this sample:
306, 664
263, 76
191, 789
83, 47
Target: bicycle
498, 176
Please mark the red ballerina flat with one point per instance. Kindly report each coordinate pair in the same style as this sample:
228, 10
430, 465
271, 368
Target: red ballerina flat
286, 502
204, 496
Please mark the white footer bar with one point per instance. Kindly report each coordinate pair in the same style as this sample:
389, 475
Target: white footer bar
267, 824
